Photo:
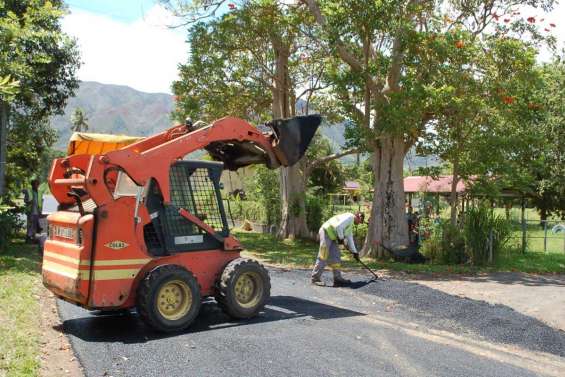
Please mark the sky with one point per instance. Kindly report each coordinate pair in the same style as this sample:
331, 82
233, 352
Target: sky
127, 42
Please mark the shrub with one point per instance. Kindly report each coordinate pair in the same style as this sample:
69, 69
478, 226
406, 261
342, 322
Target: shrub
446, 245
314, 212
9, 224
480, 223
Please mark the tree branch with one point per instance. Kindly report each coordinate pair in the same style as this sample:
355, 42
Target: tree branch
342, 51
308, 169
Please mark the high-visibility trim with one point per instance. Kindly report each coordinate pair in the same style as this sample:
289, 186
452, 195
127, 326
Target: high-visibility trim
110, 262
70, 272
121, 262
75, 273
114, 274
66, 258
323, 255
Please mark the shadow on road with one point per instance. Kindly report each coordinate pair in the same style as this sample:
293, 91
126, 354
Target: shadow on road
128, 328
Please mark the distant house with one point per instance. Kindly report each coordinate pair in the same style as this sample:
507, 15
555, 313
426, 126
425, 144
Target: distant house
440, 185
352, 187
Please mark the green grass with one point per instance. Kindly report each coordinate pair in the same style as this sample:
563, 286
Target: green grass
20, 284
302, 254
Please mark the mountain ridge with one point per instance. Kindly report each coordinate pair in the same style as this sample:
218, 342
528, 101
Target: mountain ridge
120, 109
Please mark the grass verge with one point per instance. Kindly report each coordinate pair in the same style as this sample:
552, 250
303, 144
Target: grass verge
302, 254
20, 284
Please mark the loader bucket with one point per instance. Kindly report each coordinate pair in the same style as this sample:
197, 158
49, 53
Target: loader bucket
293, 137
288, 139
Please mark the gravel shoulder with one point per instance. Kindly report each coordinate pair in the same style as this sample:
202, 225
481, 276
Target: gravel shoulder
538, 296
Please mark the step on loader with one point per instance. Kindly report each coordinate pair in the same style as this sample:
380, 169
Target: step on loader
140, 227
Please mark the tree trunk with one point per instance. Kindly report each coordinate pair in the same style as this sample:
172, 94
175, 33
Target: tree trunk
4, 108
293, 186
387, 225
453, 195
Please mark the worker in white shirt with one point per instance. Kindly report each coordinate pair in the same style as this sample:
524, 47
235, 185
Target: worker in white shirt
335, 231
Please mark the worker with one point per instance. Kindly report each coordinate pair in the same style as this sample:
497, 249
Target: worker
33, 209
335, 231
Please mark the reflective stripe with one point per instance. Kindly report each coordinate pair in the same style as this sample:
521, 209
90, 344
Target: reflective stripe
331, 225
70, 272
121, 262
75, 273
66, 258
323, 253
109, 262
114, 274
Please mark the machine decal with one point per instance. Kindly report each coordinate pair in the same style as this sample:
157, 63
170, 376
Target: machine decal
117, 245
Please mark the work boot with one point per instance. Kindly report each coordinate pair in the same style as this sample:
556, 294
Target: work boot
341, 282
317, 281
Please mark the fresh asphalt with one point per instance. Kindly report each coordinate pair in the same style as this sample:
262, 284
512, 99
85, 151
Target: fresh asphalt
383, 328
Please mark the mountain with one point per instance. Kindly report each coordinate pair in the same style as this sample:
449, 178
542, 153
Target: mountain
117, 109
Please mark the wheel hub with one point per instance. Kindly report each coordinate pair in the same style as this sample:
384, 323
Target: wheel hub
174, 300
248, 289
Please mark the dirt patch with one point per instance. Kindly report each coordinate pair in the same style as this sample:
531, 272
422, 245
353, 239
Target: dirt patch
57, 356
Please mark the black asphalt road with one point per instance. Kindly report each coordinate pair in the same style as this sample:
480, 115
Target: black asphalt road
385, 328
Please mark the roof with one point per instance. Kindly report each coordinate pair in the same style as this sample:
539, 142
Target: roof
90, 143
351, 186
428, 184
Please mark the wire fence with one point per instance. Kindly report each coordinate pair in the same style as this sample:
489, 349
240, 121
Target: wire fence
541, 236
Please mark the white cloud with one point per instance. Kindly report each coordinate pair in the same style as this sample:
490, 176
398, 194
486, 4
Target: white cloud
143, 54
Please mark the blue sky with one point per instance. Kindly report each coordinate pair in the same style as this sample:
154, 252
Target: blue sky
127, 42
119, 10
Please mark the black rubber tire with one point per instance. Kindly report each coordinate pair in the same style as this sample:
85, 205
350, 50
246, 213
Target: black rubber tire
226, 296
147, 298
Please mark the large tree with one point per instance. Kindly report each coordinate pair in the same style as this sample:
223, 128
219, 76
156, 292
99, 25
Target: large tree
255, 63
42, 60
388, 56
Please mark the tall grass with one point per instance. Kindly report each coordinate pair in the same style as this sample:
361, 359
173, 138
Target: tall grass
484, 231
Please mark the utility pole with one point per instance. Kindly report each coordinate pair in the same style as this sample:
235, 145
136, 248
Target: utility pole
3, 141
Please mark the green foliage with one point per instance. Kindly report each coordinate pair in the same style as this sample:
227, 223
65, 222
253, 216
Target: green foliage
263, 191
42, 60
317, 211
9, 224
481, 227
28, 151
445, 246
8, 88
329, 176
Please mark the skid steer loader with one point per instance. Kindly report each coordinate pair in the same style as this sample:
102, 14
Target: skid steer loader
141, 227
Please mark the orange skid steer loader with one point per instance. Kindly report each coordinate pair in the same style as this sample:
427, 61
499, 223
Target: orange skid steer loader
140, 227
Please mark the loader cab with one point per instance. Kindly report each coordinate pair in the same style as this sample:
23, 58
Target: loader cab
195, 187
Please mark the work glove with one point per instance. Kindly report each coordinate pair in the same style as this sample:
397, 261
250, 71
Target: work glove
356, 256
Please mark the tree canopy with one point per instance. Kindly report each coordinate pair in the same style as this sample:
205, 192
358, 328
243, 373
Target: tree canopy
38, 65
